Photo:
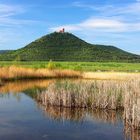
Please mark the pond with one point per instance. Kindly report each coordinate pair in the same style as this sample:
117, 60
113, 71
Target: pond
23, 116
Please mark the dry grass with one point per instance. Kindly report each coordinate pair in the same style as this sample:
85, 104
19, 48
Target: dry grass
97, 94
132, 104
85, 94
14, 72
111, 75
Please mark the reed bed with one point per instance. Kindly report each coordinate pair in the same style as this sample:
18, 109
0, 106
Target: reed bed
97, 94
132, 104
111, 95
14, 72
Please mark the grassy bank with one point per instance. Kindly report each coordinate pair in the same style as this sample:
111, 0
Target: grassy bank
80, 66
18, 72
13, 72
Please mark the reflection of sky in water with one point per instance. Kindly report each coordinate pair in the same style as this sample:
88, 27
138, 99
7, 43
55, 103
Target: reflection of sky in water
22, 118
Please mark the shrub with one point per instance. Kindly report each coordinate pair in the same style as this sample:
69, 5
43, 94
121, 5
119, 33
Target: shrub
51, 65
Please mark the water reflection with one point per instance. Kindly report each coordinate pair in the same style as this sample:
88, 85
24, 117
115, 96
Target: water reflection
33, 89
131, 133
80, 115
19, 86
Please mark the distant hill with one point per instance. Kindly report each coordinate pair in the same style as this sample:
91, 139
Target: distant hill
68, 47
4, 51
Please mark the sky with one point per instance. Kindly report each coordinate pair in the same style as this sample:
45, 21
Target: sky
109, 22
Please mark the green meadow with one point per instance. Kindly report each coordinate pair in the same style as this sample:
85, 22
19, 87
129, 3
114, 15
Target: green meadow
80, 66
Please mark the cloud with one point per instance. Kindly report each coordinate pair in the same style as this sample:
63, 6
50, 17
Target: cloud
9, 10
112, 10
15, 23
7, 13
107, 18
101, 25
90, 6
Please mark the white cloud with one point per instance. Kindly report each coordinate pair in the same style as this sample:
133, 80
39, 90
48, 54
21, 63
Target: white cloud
9, 10
101, 25
108, 18
72, 27
11, 22
110, 10
7, 13
90, 6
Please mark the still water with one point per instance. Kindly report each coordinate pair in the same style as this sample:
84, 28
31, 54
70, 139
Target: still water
23, 117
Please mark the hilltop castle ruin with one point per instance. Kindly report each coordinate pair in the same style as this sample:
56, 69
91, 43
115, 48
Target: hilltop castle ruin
62, 30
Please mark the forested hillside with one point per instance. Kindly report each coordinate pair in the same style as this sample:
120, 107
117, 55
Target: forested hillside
67, 47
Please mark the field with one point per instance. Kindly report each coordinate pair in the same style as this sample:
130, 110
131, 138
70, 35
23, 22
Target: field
86, 70
80, 66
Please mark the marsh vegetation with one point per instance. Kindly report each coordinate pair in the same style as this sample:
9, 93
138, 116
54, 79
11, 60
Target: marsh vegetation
13, 72
110, 95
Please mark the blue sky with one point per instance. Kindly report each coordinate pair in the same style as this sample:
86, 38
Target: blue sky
113, 22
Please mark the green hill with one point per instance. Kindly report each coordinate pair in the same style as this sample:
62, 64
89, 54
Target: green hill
67, 47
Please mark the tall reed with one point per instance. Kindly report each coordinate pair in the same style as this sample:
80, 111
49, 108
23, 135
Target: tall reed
132, 104
111, 95
97, 94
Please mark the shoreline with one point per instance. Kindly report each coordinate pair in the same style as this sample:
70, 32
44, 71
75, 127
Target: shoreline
13, 73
